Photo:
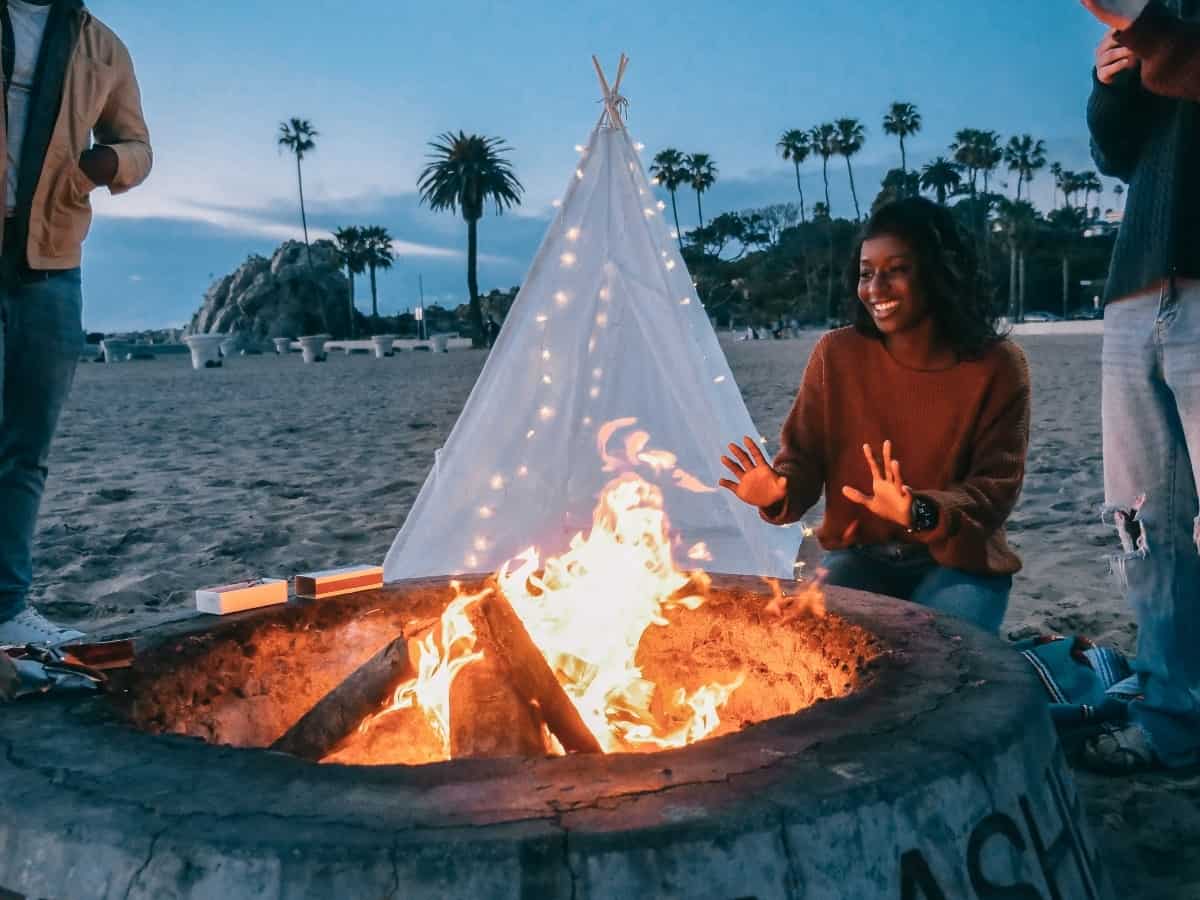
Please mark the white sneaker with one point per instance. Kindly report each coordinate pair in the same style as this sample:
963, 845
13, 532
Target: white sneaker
30, 627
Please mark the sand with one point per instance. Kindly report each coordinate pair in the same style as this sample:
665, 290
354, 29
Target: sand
164, 479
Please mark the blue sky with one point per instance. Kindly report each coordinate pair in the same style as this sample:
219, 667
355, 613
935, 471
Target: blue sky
378, 80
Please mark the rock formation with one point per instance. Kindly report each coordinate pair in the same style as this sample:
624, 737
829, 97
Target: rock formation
278, 297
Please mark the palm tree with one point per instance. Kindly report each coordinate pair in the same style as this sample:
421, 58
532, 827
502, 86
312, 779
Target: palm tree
902, 119
465, 171
940, 176
967, 151
795, 145
823, 139
849, 140
1066, 225
671, 172
378, 255
297, 135
1089, 183
1024, 156
1018, 221
702, 174
991, 154
352, 253
1056, 170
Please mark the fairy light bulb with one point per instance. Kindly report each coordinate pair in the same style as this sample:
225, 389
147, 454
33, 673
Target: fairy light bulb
572, 234
594, 392
670, 264
579, 148
523, 471
497, 482
485, 512
685, 301
567, 259
545, 379
561, 298
546, 413
540, 318
529, 434
718, 379
661, 205
545, 354
597, 373
481, 543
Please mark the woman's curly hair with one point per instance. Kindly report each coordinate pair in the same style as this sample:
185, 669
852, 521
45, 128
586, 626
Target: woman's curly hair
946, 271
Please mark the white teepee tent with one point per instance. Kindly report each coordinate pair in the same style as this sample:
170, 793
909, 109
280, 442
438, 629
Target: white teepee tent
607, 326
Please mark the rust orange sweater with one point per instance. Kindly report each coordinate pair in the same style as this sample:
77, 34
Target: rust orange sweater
960, 434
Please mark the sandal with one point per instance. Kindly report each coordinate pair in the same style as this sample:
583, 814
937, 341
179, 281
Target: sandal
1121, 750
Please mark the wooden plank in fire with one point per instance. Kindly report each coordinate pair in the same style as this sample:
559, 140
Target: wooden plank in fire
532, 676
341, 710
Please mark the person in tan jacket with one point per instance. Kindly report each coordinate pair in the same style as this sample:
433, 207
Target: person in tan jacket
72, 123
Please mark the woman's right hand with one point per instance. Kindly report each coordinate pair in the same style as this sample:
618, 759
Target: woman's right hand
754, 481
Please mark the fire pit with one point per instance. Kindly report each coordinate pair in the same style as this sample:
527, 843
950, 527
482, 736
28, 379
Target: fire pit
878, 750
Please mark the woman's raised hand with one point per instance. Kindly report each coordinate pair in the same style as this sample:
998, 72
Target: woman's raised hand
754, 481
890, 498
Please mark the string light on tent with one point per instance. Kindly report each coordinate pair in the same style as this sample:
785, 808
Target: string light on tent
523, 471
572, 234
529, 434
556, 203
718, 379
601, 319
639, 146
654, 180
597, 373
579, 148
579, 174
605, 293
561, 298
485, 512
472, 560
497, 482
674, 234
567, 259
546, 354
546, 379
587, 420
641, 192
685, 301
649, 212
670, 264
661, 205
546, 413
594, 392
481, 543
540, 318
591, 345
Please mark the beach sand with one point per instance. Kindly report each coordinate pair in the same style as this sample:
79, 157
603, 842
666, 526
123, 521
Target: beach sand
163, 479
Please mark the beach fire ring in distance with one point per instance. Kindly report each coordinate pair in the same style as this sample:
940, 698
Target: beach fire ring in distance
868, 749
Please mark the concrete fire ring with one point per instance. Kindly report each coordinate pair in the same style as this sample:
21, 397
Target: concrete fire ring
941, 779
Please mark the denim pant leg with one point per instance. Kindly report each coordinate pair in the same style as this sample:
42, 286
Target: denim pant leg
979, 599
860, 571
1151, 426
39, 348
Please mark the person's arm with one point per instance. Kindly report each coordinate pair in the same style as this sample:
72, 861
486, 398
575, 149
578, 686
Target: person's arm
1117, 110
1169, 50
120, 130
976, 506
801, 458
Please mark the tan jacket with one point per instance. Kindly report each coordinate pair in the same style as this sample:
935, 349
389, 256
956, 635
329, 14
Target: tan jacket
100, 97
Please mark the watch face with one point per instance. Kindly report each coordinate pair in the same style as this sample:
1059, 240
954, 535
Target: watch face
924, 514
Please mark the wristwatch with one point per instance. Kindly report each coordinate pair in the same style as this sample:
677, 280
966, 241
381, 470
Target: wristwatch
924, 514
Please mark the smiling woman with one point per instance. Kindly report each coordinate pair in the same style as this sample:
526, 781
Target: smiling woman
922, 376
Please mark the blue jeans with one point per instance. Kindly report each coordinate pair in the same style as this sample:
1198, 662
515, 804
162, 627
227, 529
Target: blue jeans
980, 599
40, 317
1151, 416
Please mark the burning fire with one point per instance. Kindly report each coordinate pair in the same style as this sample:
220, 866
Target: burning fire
586, 611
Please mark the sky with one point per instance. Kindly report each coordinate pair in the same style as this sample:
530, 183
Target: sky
379, 80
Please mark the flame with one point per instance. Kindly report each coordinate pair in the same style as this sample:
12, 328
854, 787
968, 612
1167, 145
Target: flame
587, 610
437, 666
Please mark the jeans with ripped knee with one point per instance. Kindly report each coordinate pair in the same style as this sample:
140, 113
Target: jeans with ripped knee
1151, 418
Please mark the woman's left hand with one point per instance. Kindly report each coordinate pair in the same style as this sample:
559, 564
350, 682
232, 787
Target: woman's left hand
890, 498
